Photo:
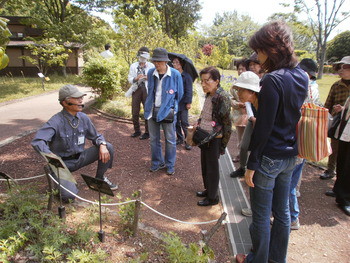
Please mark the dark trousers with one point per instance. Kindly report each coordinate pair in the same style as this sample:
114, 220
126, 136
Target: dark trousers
182, 124
138, 97
89, 156
210, 153
342, 183
332, 159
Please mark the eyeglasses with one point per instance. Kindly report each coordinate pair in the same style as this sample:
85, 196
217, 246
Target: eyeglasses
341, 66
206, 80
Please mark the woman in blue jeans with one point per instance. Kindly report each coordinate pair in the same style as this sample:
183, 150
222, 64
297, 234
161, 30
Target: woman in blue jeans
273, 144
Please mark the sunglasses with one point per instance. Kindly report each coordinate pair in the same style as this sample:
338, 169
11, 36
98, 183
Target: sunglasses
341, 66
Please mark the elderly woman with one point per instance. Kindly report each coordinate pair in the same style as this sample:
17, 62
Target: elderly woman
273, 143
215, 121
239, 111
342, 183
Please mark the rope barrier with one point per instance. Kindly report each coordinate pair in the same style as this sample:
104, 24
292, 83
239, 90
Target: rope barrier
176, 220
88, 201
117, 204
24, 179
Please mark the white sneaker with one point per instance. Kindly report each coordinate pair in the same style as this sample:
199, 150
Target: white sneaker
246, 212
111, 185
295, 225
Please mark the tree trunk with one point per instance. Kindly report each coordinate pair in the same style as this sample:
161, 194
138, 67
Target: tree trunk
322, 60
64, 71
167, 19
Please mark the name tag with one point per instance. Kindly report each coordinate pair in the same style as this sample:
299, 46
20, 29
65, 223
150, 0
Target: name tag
81, 140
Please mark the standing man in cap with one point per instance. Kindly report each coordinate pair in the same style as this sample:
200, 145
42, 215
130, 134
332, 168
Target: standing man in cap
165, 90
337, 96
66, 132
138, 79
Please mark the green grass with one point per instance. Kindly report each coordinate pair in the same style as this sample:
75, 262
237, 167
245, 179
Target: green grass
325, 84
12, 88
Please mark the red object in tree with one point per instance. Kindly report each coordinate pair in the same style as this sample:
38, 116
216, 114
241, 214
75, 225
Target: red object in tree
207, 49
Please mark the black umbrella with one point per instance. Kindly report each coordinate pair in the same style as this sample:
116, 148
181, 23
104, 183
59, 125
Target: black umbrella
188, 67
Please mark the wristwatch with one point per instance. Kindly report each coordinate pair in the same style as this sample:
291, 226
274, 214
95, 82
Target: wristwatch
103, 143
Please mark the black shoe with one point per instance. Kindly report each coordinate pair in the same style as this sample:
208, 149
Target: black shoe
208, 202
238, 173
236, 159
330, 193
178, 141
188, 147
346, 209
202, 193
136, 134
144, 136
155, 169
327, 175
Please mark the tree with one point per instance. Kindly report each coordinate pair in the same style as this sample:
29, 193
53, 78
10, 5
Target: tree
237, 29
302, 33
177, 17
324, 16
339, 46
47, 53
4, 39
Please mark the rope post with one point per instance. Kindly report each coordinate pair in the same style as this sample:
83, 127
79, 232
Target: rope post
136, 214
208, 236
7, 178
49, 182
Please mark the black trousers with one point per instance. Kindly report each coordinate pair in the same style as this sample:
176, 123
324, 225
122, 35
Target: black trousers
89, 156
138, 97
210, 153
342, 183
182, 124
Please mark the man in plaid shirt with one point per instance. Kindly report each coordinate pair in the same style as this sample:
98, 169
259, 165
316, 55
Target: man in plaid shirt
338, 94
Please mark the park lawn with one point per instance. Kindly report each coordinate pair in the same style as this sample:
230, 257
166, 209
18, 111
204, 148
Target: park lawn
324, 85
12, 88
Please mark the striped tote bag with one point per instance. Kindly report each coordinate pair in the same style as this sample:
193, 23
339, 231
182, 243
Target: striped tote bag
312, 129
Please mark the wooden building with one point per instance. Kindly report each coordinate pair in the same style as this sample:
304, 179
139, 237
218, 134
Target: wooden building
16, 48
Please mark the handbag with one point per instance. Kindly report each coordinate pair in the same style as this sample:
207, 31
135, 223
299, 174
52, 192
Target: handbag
334, 125
199, 135
313, 143
168, 119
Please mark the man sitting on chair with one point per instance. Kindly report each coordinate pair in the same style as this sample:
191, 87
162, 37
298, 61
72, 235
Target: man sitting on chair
65, 133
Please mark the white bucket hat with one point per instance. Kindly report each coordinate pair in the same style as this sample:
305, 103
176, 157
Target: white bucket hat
248, 80
144, 54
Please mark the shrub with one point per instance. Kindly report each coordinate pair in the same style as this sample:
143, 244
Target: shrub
179, 252
28, 229
104, 76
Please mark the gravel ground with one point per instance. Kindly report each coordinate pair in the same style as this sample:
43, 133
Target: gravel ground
323, 237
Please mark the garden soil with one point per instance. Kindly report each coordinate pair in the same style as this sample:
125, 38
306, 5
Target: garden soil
324, 235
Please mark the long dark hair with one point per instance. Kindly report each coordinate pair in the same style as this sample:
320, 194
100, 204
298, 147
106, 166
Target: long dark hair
276, 40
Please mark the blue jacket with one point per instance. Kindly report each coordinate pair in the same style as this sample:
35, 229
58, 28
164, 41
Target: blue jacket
172, 92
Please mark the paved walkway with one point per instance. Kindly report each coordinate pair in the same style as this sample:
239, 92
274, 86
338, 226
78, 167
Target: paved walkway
21, 117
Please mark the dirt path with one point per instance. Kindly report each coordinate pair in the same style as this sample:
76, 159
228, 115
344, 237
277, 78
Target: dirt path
324, 235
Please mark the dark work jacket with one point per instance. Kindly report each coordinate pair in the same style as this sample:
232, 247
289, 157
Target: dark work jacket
188, 90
